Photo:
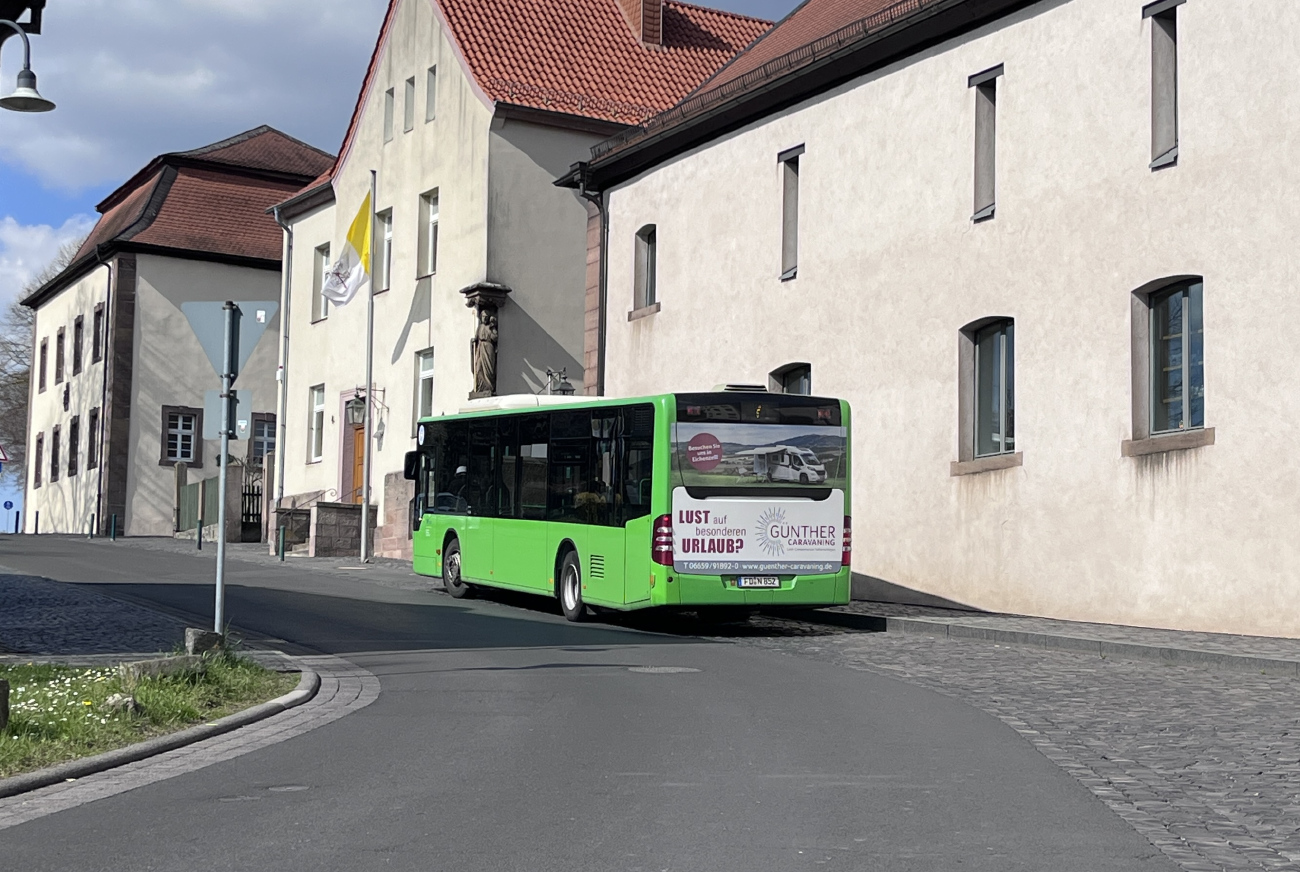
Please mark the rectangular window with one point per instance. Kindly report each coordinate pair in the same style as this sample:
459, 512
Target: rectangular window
408, 108
97, 340
995, 390
423, 383
44, 365
985, 85
316, 425
1164, 82
58, 357
263, 439
795, 378
1177, 360
181, 436
92, 440
428, 253
54, 455
74, 444
431, 95
78, 343
320, 307
644, 293
40, 460
389, 99
789, 161
384, 268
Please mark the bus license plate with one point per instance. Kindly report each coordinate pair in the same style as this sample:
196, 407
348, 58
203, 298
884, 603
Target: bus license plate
758, 581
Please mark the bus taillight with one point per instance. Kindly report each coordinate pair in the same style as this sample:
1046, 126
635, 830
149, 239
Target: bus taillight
847, 559
661, 546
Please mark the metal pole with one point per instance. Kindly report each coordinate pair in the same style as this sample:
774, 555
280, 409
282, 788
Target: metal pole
281, 549
112, 530
37, 530
218, 614
282, 422
92, 526
370, 344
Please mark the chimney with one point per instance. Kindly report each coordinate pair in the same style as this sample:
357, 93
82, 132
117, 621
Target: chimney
646, 18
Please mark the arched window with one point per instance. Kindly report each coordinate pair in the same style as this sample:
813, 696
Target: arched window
987, 396
644, 293
1168, 367
793, 378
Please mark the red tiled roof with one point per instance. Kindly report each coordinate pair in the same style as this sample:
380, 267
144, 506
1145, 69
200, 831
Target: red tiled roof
578, 57
581, 56
219, 213
211, 200
810, 21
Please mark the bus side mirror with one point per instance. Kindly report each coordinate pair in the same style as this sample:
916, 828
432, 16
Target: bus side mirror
411, 466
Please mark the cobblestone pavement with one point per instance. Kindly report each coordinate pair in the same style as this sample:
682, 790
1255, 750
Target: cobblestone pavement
1219, 643
1204, 764
345, 688
43, 617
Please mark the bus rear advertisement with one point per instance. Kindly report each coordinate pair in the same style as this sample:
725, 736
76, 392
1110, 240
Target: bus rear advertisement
692, 501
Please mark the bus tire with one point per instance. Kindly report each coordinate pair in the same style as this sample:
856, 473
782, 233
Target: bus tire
451, 580
570, 587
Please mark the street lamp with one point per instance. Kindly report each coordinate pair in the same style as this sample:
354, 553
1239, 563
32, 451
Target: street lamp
24, 98
558, 383
356, 410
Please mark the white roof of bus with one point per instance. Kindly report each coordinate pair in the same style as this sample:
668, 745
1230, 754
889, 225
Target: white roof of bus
519, 401
767, 449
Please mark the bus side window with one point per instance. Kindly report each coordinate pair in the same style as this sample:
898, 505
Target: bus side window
507, 483
636, 470
481, 490
534, 434
453, 470
570, 497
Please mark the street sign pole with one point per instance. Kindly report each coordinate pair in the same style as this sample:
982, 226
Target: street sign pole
230, 360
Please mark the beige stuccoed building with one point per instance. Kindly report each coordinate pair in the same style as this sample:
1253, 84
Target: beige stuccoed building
1045, 249
118, 376
469, 110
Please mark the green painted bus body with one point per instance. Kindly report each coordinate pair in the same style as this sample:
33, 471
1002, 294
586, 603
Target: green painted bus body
523, 555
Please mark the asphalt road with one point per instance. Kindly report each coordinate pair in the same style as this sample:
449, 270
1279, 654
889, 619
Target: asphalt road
506, 739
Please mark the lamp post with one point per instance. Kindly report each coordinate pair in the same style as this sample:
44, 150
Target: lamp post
24, 98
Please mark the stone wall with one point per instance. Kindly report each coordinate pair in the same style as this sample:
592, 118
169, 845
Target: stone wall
336, 529
393, 539
297, 528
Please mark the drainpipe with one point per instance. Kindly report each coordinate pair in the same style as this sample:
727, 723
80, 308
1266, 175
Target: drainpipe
597, 198
103, 391
281, 424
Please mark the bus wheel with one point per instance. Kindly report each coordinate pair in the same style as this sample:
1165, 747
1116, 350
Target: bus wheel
571, 588
451, 579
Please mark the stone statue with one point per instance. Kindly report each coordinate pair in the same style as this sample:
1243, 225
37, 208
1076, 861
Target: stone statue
483, 353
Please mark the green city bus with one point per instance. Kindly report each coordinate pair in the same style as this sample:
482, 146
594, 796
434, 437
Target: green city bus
719, 501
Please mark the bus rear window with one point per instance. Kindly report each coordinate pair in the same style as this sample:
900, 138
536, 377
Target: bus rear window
759, 409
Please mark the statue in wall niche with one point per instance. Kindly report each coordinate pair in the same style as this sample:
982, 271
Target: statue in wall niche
483, 353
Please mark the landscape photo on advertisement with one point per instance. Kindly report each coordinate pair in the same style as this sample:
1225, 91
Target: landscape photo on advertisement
725, 454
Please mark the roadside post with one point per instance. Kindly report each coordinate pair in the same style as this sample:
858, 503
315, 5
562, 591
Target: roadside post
217, 326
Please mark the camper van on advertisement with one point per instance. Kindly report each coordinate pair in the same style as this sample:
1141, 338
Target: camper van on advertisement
786, 463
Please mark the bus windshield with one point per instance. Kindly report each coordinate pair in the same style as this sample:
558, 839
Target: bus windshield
725, 446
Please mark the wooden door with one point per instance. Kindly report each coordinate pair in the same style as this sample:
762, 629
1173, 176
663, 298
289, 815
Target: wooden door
358, 462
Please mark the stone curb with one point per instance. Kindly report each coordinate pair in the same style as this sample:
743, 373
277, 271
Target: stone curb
308, 685
1098, 647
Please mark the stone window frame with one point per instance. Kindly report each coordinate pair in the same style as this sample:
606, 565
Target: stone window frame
967, 463
315, 431
1164, 81
431, 94
92, 438
985, 86
55, 463
320, 306
78, 342
777, 378
390, 100
60, 354
44, 365
97, 340
382, 280
197, 461
420, 378
408, 106
1143, 442
788, 161
40, 461
427, 249
74, 444
645, 272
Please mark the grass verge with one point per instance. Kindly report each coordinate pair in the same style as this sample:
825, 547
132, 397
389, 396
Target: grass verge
60, 713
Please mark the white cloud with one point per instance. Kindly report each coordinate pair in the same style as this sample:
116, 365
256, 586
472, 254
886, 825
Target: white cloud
26, 249
136, 78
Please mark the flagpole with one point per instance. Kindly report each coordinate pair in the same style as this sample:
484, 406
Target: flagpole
370, 343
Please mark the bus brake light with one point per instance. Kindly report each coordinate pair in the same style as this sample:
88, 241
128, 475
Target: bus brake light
847, 559
661, 546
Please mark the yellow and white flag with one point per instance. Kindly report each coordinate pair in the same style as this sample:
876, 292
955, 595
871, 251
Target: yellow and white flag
352, 270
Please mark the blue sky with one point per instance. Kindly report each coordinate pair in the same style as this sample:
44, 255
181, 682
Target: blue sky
138, 79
